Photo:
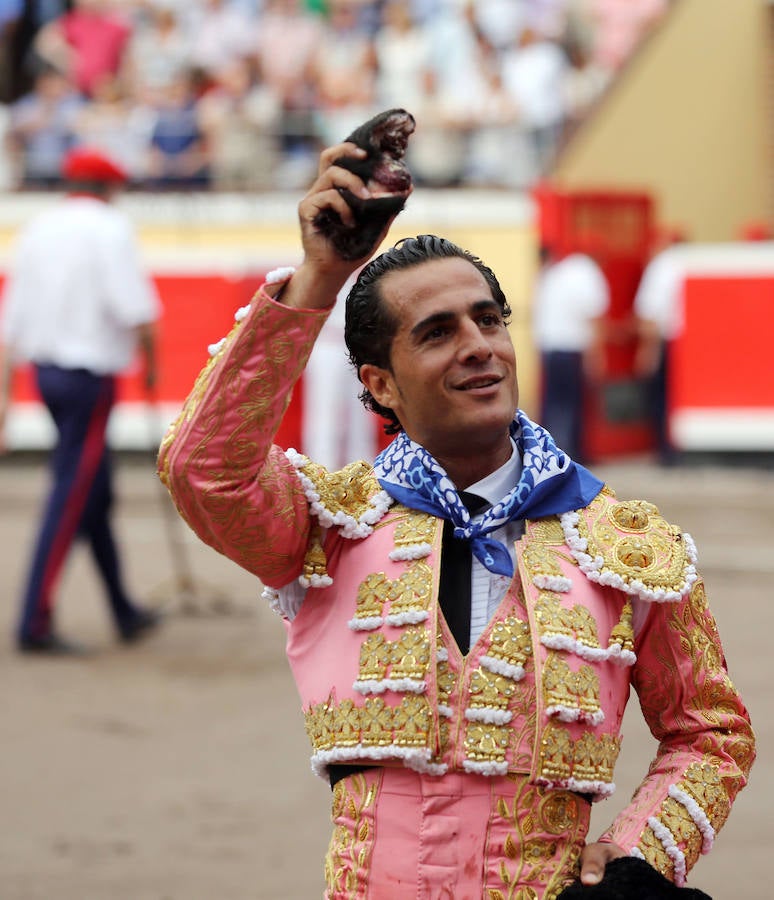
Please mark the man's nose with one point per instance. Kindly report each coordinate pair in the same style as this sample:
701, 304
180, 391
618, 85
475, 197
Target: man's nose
473, 344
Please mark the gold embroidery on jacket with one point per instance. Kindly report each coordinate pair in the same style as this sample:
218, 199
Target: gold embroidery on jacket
704, 783
682, 827
486, 742
547, 531
375, 656
540, 560
408, 596
511, 642
415, 528
489, 690
410, 654
554, 619
407, 657
315, 561
409, 724
411, 592
623, 633
372, 593
570, 690
653, 851
376, 723
413, 721
350, 490
589, 758
650, 551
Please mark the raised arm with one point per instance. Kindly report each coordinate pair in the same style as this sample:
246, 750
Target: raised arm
233, 486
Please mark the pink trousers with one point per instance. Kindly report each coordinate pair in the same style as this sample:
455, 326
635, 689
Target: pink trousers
399, 835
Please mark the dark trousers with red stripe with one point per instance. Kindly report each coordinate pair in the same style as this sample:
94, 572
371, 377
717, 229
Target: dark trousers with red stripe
79, 501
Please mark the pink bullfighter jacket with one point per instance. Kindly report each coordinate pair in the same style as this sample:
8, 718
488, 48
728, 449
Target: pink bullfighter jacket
605, 598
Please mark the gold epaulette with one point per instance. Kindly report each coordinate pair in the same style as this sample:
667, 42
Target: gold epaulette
628, 544
349, 491
350, 499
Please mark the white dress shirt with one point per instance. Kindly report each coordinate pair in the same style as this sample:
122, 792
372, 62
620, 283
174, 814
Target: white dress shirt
488, 588
76, 291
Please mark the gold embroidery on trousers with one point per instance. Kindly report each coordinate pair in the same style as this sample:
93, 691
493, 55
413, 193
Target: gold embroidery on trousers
545, 835
349, 851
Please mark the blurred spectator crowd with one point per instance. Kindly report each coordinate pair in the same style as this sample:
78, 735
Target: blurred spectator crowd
242, 94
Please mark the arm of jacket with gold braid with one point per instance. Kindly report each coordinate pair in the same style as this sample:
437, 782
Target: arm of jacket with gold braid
706, 743
237, 490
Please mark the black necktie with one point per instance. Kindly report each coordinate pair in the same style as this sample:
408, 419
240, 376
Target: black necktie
454, 589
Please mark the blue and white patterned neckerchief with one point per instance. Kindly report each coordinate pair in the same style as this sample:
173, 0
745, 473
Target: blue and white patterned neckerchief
550, 483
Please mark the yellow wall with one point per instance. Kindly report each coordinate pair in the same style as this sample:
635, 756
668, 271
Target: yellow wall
689, 120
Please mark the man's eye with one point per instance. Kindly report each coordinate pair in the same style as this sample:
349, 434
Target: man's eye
490, 320
435, 333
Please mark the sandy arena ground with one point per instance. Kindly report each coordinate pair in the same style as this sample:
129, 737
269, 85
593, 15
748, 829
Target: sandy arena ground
178, 769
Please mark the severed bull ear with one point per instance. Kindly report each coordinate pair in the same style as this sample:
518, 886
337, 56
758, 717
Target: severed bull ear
384, 171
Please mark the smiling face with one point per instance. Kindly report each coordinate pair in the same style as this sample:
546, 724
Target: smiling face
451, 379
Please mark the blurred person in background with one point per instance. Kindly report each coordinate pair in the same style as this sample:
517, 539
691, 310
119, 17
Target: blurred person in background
10, 20
42, 127
217, 32
336, 427
289, 24
87, 43
463, 670
619, 25
23, 60
178, 153
533, 74
240, 122
116, 123
343, 71
571, 297
659, 317
157, 53
76, 306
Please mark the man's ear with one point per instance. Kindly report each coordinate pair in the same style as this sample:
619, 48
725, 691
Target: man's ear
380, 384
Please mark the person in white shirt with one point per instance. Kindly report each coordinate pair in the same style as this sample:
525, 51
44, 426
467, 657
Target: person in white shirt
658, 313
571, 297
76, 306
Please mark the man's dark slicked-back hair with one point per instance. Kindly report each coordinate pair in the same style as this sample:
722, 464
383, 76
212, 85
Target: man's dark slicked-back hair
370, 328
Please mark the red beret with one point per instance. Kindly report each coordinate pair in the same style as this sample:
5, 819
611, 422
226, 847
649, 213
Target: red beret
86, 164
